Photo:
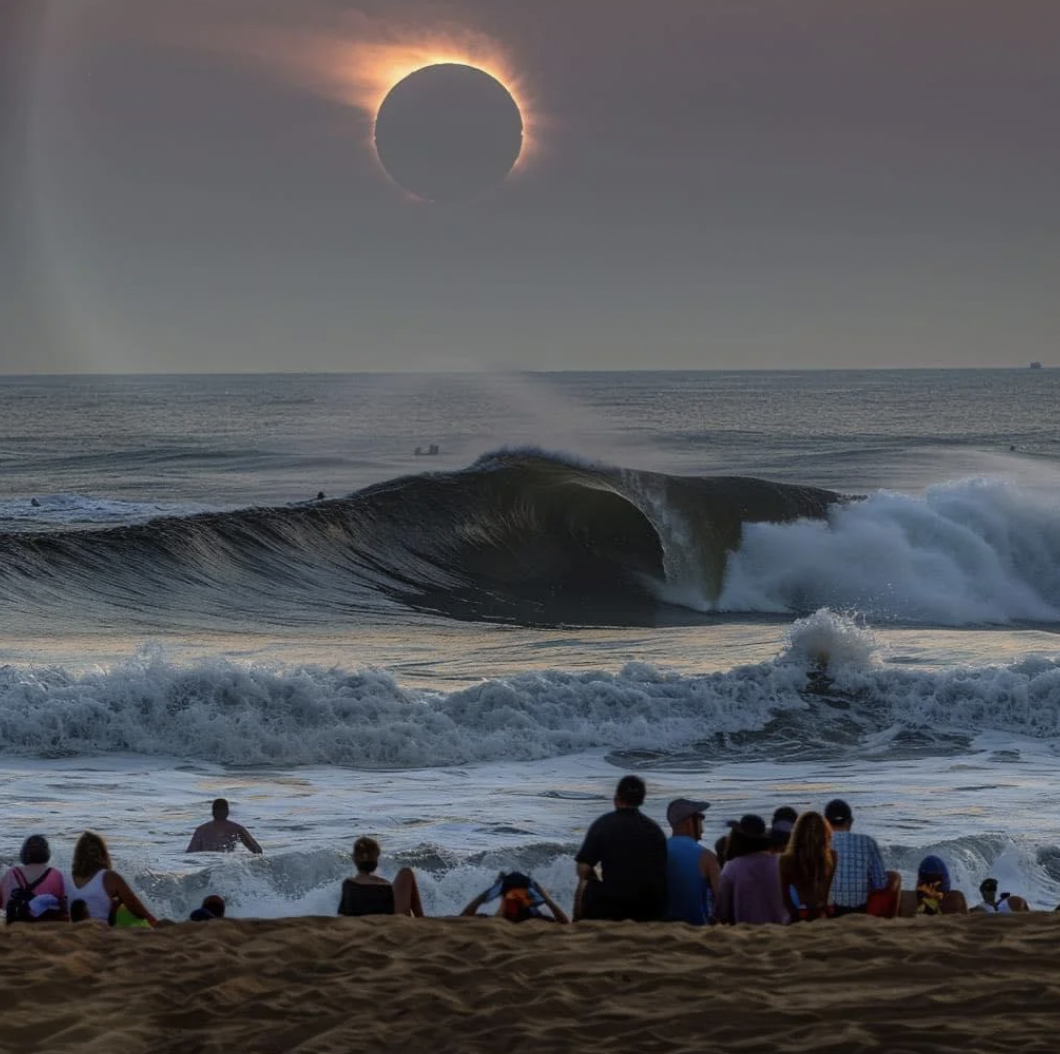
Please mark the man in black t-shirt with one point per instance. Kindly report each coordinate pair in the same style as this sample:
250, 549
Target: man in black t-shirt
631, 852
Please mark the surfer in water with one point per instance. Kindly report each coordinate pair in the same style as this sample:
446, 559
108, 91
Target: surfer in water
221, 834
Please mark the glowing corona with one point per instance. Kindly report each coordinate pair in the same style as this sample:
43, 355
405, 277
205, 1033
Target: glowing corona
396, 63
356, 59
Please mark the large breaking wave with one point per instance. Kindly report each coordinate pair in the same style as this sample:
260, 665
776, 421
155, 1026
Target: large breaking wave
519, 536
538, 539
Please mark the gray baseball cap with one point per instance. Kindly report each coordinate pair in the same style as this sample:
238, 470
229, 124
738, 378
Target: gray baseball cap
680, 809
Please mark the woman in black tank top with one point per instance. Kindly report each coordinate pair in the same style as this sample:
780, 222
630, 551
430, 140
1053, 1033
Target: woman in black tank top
369, 894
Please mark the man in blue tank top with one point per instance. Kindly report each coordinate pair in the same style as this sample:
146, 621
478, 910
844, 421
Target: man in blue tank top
692, 870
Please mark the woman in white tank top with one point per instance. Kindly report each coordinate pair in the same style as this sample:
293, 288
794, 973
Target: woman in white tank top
100, 889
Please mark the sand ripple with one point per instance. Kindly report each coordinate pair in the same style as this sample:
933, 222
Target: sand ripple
982, 983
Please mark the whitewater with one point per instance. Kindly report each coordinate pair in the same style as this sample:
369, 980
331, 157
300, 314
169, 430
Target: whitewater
759, 589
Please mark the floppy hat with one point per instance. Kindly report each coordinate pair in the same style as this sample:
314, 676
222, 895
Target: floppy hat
680, 809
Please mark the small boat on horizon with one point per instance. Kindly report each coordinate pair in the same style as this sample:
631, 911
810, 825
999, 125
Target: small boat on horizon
1035, 366
428, 451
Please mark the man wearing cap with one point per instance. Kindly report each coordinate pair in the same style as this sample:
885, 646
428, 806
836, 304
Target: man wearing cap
630, 850
859, 869
692, 871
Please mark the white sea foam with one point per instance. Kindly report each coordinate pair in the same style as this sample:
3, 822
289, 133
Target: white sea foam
248, 714
965, 553
251, 714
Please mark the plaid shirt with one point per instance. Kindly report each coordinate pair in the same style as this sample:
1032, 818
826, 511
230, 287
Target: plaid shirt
859, 869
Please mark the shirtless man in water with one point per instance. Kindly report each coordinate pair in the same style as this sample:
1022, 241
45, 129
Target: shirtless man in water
220, 834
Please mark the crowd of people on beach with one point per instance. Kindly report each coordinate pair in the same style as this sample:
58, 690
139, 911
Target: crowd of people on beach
800, 867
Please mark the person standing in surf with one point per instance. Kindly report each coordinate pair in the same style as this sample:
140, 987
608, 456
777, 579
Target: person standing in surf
220, 835
630, 850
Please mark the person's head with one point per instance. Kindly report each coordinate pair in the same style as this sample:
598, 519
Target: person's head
215, 905
630, 793
90, 856
35, 850
780, 835
220, 809
988, 890
934, 874
785, 814
366, 853
685, 817
747, 835
839, 814
809, 850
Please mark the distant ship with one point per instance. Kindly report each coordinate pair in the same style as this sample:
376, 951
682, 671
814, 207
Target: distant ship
430, 451
1035, 366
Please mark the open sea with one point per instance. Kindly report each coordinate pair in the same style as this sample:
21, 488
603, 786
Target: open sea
460, 653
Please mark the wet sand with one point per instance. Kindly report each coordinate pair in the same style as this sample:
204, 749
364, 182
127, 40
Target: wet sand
336, 986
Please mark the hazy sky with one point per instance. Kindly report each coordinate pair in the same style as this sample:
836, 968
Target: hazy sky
191, 185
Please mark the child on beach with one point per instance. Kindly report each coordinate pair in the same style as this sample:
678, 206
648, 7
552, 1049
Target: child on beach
521, 900
934, 892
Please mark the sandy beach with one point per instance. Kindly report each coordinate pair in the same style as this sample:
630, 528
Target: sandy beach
329, 986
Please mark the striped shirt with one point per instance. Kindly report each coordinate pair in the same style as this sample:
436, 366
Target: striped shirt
859, 869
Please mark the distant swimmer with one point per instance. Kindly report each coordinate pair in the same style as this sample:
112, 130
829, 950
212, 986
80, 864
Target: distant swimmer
34, 503
220, 834
320, 495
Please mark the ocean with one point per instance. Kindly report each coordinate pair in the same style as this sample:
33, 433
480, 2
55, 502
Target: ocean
255, 587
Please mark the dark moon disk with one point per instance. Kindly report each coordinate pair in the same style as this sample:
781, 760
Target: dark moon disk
448, 132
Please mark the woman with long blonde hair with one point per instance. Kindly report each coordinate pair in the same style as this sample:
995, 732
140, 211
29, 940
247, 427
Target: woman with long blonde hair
807, 868
100, 890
